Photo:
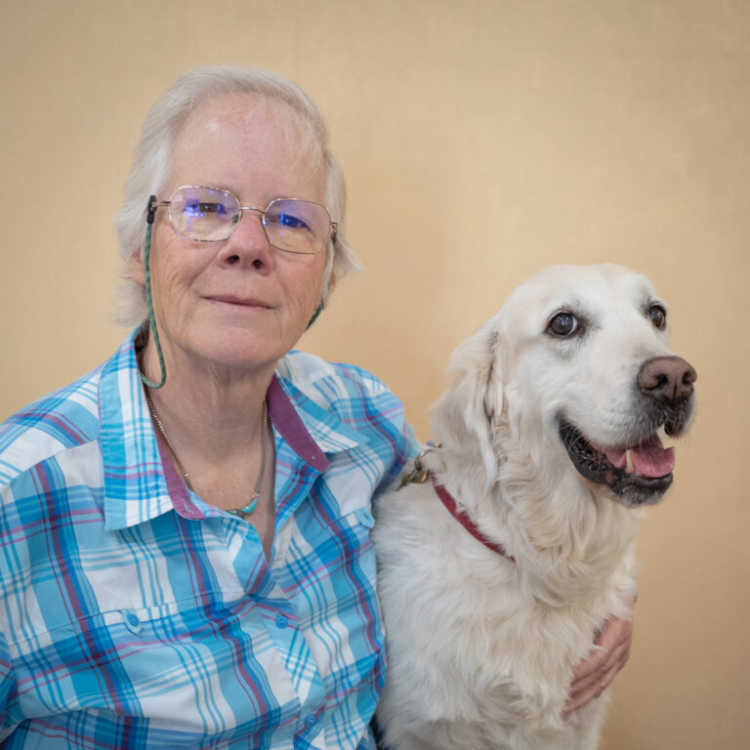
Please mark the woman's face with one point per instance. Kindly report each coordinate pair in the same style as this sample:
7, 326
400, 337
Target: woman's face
237, 303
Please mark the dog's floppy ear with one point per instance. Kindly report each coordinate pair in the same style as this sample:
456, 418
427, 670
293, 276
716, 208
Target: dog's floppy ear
465, 415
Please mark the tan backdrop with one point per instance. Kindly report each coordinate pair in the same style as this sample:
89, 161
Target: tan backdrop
482, 140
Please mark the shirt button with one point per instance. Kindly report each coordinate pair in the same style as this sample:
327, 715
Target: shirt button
281, 622
311, 721
365, 517
132, 622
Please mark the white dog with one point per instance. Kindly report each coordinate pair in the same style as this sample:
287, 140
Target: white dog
548, 448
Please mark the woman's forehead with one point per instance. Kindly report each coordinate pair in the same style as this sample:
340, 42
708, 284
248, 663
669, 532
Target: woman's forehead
234, 132
247, 115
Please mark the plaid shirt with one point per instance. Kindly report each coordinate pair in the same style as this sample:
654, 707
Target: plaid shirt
134, 615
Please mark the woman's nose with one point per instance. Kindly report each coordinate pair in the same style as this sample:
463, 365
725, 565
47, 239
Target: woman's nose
248, 245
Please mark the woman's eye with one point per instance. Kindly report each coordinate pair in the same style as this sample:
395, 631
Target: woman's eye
203, 208
290, 221
658, 316
192, 208
563, 324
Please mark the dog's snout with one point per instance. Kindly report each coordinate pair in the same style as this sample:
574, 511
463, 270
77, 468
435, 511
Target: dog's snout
667, 379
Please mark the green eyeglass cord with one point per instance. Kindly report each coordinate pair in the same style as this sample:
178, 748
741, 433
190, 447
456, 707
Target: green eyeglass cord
149, 304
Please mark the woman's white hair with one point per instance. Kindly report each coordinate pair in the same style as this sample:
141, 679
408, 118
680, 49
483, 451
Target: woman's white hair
153, 157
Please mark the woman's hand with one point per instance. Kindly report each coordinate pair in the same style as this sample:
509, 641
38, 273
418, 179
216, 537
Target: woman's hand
597, 670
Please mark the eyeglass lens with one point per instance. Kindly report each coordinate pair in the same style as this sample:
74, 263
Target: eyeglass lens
210, 214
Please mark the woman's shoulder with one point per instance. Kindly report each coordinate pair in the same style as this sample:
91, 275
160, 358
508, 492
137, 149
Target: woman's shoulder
306, 370
363, 405
63, 419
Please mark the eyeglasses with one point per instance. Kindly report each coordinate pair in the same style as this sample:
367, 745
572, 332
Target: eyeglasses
209, 214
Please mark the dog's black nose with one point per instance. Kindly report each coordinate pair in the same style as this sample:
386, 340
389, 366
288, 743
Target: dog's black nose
667, 379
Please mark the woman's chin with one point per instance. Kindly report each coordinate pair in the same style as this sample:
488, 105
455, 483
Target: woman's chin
234, 350
204, 343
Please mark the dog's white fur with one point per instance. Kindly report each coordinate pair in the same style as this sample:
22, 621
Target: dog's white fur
481, 650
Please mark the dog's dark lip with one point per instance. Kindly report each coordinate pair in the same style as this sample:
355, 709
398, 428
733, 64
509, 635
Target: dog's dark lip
591, 463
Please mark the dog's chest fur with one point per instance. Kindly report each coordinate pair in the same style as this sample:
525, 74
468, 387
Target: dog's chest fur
480, 651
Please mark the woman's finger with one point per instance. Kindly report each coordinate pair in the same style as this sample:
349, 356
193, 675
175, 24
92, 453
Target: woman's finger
616, 658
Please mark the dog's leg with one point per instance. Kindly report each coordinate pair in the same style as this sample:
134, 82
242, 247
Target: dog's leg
590, 723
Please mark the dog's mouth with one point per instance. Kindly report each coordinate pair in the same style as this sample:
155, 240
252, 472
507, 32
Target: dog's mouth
637, 474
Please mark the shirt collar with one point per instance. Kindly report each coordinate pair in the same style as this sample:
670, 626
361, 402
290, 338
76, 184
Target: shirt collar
310, 429
140, 481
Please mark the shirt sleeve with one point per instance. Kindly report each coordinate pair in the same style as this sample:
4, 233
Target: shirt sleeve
407, 448
7, 686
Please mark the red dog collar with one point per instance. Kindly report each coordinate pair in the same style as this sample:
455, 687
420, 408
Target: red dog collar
466, 522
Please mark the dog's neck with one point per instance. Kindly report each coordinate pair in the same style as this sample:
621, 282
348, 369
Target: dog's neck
568, 540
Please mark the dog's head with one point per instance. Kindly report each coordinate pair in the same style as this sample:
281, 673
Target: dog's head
574, 372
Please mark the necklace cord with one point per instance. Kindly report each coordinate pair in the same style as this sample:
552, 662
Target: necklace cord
257, 489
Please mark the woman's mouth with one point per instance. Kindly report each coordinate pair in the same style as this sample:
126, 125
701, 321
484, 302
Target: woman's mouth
238, 301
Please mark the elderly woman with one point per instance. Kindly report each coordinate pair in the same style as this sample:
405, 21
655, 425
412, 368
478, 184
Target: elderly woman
185, 530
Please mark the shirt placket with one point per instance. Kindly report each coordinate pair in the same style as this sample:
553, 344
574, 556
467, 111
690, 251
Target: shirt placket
294, 482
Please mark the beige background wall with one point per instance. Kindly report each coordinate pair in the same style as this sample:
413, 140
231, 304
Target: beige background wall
482, 140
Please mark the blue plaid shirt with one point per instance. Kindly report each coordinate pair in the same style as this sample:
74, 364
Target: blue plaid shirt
134, 615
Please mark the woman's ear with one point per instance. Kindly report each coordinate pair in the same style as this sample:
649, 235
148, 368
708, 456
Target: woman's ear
135, 269
328, 288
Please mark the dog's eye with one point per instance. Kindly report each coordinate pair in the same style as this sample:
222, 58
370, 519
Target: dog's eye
563, 324
658, 316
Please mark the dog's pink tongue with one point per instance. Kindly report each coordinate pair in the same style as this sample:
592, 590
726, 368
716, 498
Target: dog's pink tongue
651, 459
